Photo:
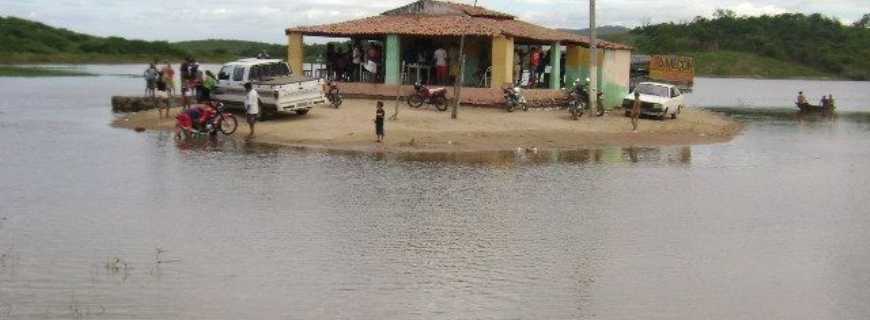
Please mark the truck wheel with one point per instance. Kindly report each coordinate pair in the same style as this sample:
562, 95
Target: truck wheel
663, 115
675, 114
302, 112
267, 112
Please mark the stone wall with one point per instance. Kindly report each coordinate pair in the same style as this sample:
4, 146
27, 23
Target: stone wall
136, 104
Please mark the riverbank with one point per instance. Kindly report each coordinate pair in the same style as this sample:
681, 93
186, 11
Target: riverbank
18, 71
730, 64
478, 129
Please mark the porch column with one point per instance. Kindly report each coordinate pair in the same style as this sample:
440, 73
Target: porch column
502, 61
393, 66
555, 66
295, 53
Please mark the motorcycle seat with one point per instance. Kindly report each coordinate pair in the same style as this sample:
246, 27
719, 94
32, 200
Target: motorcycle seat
437, 90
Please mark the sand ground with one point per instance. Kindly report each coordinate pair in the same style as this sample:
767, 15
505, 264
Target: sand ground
351, 128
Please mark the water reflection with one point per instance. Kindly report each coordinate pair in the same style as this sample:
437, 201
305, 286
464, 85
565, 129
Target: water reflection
604, 155
752, 228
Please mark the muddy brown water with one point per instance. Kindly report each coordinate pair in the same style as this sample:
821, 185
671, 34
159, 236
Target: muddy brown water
105, 223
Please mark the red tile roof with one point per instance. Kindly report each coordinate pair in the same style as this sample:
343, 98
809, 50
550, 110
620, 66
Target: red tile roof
440, 8
437, 18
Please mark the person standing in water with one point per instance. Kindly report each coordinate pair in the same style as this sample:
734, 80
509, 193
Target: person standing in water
252, 107
635, 111
379, 122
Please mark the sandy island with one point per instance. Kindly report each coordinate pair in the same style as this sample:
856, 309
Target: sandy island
351, 128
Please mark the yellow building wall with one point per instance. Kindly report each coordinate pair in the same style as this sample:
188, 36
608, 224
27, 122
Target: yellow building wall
295, 53
502, 61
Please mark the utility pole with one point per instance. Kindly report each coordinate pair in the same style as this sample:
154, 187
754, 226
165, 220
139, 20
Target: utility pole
593, 63
457, 90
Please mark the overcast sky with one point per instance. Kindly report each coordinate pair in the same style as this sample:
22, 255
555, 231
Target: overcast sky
265, 20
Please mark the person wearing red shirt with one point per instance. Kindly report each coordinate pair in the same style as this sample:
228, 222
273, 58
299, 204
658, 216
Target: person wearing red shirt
534, 63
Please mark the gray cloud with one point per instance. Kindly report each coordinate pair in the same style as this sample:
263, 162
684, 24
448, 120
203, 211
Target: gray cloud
264, 20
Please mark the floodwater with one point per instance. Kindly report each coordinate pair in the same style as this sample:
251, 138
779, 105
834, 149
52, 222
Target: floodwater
105, 223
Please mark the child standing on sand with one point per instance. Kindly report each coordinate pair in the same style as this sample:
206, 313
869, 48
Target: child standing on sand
635, 111
252, 107
379, 122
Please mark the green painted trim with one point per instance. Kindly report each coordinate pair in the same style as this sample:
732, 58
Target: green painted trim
555, 66
613, 92
392, 69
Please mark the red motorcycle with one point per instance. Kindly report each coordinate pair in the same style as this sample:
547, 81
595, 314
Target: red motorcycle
433, 96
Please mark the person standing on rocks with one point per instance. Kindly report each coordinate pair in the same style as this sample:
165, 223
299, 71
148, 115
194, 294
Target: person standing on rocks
379, 122
635, 111
169, 78
252, 107
151, 76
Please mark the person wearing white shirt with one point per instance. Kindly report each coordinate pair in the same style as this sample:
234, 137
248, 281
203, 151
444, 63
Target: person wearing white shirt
442, 71
252, 106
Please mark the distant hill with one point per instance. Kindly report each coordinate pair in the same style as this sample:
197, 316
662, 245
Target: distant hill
603, 30
813, 42
26, 41
30, 41
222, 50
618, 34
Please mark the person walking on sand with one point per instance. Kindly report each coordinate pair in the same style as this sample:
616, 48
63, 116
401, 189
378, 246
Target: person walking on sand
635, 111
252, 107
379, 122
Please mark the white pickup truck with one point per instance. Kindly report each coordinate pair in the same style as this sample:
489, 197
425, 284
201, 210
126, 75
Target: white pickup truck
279, 89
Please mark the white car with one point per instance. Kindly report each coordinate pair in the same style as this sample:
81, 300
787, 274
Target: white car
279, 89
658, 100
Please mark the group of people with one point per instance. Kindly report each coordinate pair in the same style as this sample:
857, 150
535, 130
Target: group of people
825, 102
535, 60
195, 84
363, 61
195, 118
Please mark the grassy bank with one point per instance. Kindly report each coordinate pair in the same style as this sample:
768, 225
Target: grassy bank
740, 64
16, 71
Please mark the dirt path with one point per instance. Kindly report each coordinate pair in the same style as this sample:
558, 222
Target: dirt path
478, 129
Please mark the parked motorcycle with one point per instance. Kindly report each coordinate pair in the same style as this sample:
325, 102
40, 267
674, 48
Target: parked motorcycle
433, 96
579, 99
514, 99
333, 94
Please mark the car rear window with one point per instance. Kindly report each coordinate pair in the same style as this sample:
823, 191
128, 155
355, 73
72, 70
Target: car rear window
264, 72
653, 90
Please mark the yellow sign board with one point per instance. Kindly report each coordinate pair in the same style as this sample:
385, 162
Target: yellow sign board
675, 69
